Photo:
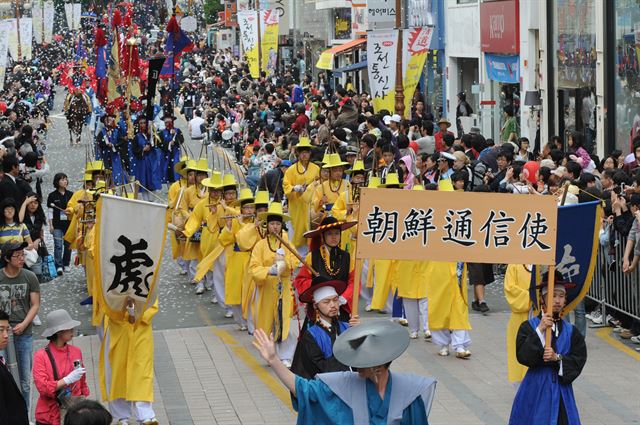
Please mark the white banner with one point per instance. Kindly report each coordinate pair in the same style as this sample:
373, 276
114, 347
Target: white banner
5, 28
381, 65
130, 237
381, 14
242, 5
284, 13
37, 18
74, 14
419, 13
26, 38
49, 15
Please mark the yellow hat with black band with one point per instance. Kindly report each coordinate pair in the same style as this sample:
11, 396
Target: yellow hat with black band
214, 182
244, 198
334, 161
275, 210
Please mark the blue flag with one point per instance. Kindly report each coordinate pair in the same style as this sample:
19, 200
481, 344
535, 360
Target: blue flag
101, 62
177, 42
576, 250
81, 52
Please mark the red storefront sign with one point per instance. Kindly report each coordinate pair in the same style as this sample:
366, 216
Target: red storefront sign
499, 27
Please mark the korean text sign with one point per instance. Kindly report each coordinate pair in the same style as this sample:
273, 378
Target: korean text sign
499, 228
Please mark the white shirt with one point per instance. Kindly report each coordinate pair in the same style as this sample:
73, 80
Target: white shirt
194, 126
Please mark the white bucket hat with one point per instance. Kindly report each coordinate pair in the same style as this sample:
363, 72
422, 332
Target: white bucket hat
59, 320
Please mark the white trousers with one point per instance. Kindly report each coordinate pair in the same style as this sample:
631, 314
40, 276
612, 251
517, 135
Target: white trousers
122, 409
219, 268
459, 339
366, 294
184, 265
416, 311
193, 268
237, 314
250, 325
287, 348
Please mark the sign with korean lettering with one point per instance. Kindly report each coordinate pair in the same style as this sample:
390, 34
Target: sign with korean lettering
283, 10
248, 22
381, 63
397, 224
415, 46
269, 39
499, 27
129, 243
381, 14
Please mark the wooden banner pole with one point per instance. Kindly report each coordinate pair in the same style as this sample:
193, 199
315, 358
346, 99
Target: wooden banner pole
357, 273
295, 254
551, 277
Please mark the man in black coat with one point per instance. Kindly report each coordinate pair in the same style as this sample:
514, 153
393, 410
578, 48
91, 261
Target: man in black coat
13, 410
272, 181
12, 185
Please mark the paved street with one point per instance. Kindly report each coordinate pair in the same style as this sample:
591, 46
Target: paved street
207, 372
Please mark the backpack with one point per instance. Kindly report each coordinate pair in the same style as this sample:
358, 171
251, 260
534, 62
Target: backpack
478, 169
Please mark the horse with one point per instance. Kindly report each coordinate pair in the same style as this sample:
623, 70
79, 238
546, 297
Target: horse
77, 106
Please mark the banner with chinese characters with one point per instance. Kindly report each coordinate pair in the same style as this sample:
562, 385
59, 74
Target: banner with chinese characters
248, 22
397, 224
73, 12
129, 243
269, 40
577, 249
26, 38
415, 46
381, 63
37, 12
49, 15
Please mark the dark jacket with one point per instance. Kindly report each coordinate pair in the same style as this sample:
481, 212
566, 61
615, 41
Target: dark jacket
17, 190
13, 410
272, 181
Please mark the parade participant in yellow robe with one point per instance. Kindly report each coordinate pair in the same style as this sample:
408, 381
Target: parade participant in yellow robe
246, 238
236, 259
386, 271
93, 171
191, 197
448, 308
516, 290
206, 219
327, 194
175, 193
126, 365
271, 266
295, 182
368, 266
345, 210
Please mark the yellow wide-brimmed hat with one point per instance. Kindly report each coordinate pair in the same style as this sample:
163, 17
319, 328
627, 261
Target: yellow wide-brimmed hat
325, 159
358, 166
200, 165
417, 187
334, 160
86, 177
215, 181
92, 166
392, 180
244, 196
374, 182
262, 198
229, 180
179, 166
304, 143
275, 209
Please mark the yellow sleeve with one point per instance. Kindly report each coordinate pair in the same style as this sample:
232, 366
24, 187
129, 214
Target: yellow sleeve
89, 239
247, 237
195, 219
257, 270
148, 314
288, 183
71, 205
316, 197
516, 289
174, 194
339, 209
228, 237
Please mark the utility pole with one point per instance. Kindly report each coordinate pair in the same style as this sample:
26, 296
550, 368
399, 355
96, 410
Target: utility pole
399, 86
18, 25
294, 5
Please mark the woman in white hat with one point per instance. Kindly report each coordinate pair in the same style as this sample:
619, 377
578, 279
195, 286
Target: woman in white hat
58, 367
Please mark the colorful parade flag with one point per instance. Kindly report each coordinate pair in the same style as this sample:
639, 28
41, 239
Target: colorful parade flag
269, 22
381, 64
248, 22
129, 247
114, 77
177, 40
415, 46
576, 250
155, 66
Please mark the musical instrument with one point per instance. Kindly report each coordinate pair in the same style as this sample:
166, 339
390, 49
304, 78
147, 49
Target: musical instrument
226, 217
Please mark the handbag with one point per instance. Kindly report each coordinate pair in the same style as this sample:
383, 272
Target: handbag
49, 267
63, 396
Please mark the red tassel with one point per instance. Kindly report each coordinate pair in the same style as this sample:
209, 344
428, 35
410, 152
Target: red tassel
117, 19
100, 40
128, 16
172, 25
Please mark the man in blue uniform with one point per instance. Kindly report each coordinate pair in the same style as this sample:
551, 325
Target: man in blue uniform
110, 141
171, 141
545, 396
372, 395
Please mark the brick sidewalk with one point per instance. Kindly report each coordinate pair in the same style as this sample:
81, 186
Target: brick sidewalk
213, 375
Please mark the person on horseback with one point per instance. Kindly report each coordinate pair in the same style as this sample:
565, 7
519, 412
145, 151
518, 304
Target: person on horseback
77, 106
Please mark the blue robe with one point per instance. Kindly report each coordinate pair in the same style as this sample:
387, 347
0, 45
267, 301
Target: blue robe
341, 399
171, 156
111, 156
146, 165
545, 397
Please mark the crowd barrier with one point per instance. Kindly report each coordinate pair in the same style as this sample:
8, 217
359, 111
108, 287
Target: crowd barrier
613, 289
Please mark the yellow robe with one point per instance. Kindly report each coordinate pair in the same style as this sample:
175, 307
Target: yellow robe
191, 199
349, 236
237, 261
412, 279
298, 208
172, 199
246, 238
328, 190
262, 258
130, 354
386, 281
72, 232
448, 304
516, 289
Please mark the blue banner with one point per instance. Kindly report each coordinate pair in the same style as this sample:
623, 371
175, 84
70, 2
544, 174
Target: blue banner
576, 249
503, 69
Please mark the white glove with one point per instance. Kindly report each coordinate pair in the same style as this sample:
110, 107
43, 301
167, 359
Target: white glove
273, 270
74, 376
281, 265
298, 188
131, 310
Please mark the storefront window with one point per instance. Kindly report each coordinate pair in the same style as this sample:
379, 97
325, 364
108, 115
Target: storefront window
343, 23
433, 83
575, 62
627, 73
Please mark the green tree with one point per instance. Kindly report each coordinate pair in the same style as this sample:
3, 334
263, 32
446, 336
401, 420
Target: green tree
211, 9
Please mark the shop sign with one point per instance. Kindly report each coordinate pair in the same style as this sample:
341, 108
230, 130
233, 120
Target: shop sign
499, 27
381, 14
503, 68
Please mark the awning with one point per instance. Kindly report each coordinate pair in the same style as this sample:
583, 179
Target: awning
326, 58
350, 68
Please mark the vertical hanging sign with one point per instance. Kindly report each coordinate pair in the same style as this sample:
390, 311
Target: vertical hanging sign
381, 59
